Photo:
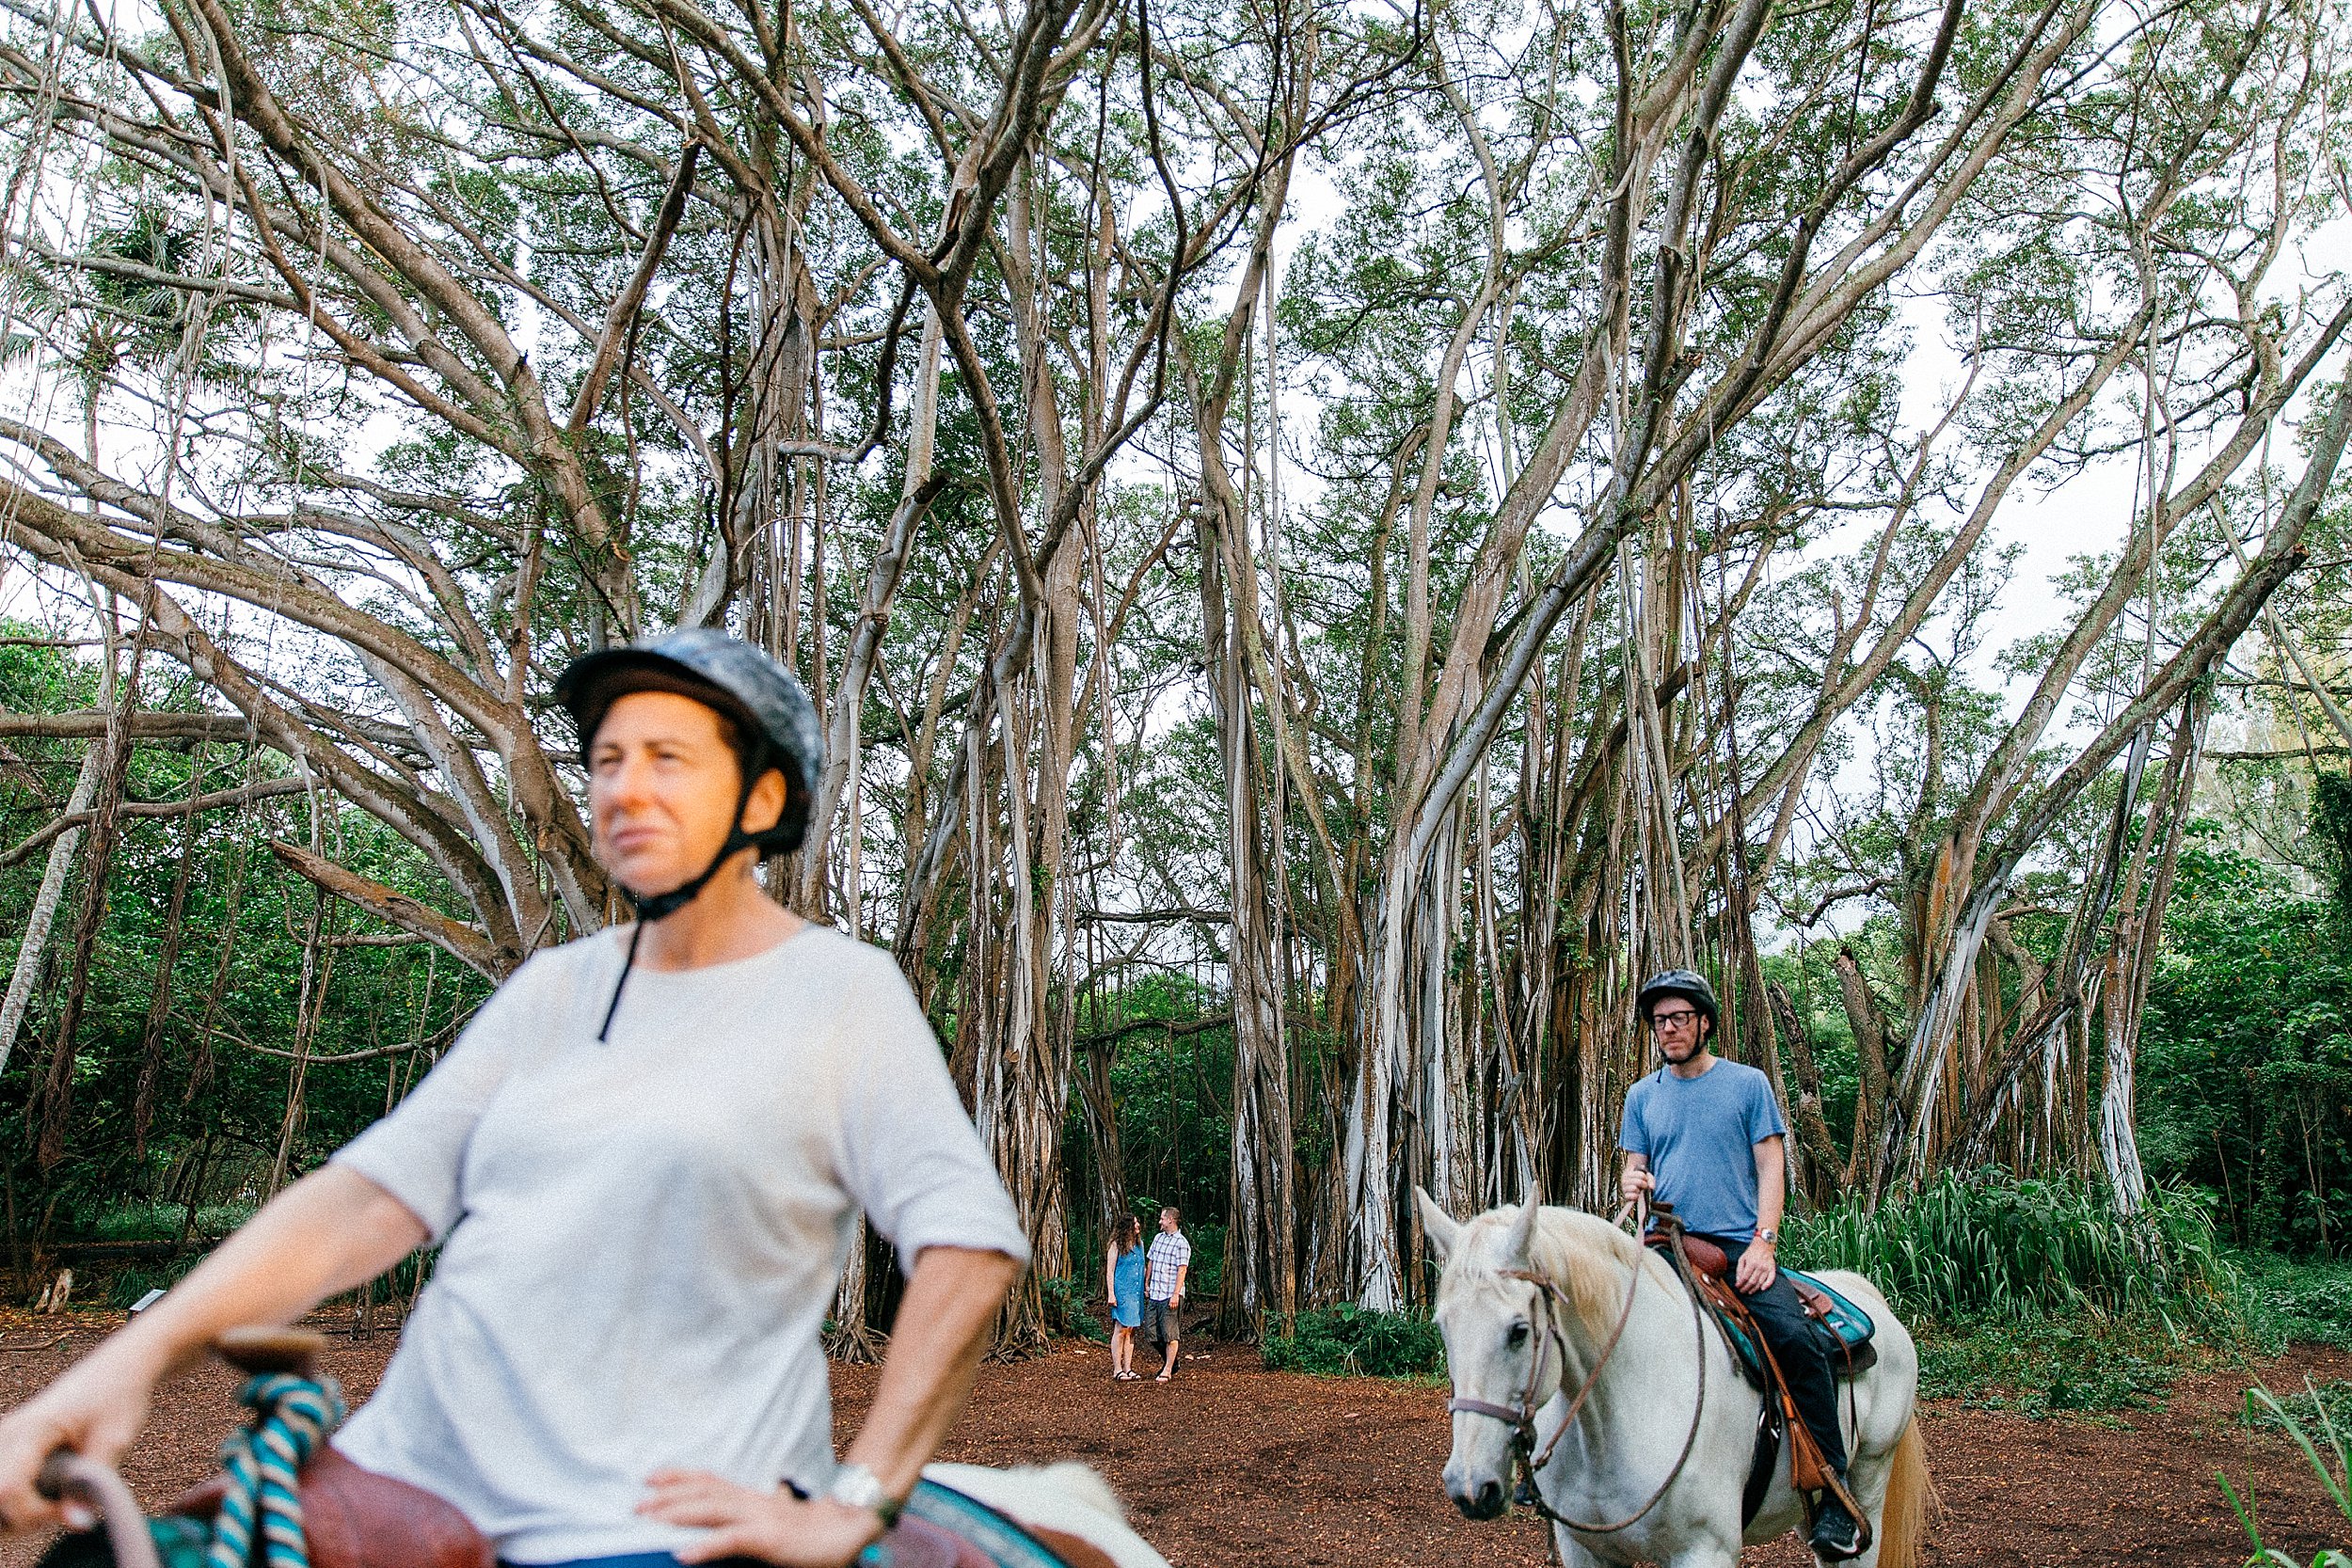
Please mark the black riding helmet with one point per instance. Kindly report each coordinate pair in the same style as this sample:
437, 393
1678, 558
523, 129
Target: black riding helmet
775, 727
1690, 985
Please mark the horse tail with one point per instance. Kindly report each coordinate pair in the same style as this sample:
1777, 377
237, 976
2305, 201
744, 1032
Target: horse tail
1909, 1500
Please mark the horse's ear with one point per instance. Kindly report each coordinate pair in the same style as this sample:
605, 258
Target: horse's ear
1441, 1229
1517, 1247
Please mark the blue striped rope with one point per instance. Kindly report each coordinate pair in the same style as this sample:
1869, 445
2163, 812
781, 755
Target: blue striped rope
291, 1416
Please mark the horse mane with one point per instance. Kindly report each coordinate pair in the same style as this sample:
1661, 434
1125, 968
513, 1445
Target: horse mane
1583, 1254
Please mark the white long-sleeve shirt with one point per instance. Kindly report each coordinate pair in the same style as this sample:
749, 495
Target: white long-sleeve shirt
641, 1238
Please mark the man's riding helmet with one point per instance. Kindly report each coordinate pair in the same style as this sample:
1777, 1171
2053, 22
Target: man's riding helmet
1690, 985
775, 723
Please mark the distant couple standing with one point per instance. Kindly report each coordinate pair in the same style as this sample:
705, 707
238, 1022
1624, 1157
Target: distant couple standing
1147, 1290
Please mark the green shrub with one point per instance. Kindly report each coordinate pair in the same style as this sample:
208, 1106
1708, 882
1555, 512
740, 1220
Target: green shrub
1991, 1245
2067, 1366
1066, 1311
135, 1280
1342, 1342
146, 1221
2286, 1301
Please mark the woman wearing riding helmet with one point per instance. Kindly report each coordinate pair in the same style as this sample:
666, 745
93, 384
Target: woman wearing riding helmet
643, 1162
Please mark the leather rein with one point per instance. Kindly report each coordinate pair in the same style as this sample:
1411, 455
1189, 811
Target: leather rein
1553, 1306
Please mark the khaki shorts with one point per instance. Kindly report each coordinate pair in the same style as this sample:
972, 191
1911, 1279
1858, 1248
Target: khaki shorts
1162, 1324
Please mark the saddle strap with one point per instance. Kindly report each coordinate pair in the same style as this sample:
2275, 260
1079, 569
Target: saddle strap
1808, 1471
1761, 1463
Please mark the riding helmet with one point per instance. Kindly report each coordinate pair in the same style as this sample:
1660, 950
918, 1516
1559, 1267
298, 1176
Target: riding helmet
1689, 984
760, 696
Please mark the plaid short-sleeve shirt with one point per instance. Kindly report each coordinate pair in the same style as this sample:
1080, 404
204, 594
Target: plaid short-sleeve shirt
1169, 1252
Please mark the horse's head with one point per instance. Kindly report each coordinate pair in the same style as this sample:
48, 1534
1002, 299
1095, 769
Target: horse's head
1500, 1346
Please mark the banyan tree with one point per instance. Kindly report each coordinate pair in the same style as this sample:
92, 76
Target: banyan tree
1399, 517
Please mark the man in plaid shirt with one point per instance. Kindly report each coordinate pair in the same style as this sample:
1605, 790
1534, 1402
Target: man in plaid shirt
1164, 1269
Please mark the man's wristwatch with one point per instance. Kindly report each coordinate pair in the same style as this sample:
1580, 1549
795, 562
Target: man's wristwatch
855, 1486
1769, 1236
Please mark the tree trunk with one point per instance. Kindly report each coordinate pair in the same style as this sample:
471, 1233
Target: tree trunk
30, 951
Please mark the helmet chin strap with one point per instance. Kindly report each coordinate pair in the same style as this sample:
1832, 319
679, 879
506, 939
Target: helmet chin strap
649, 908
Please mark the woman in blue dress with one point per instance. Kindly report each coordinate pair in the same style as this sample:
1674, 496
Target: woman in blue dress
1125, 1272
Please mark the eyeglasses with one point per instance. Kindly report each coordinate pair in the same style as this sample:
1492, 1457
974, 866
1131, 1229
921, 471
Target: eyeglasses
1663, 1021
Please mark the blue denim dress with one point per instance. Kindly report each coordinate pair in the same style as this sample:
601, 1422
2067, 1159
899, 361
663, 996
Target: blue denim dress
1127, 1279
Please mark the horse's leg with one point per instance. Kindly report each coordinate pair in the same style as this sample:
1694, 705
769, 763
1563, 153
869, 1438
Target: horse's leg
1705, 1549
1572, 1552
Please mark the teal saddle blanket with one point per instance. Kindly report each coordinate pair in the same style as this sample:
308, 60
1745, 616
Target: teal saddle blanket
1845, 1330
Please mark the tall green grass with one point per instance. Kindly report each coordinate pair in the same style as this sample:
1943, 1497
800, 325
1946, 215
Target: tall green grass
2320, 1446
1992, 1245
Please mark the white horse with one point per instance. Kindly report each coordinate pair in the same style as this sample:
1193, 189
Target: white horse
1527, 1302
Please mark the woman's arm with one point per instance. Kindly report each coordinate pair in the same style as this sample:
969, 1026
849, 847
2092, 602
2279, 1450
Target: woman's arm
1110, 1274
926, 1375
331, 1231
944, 1324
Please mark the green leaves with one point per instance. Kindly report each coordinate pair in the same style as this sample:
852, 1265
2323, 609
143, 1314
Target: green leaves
2020, 1248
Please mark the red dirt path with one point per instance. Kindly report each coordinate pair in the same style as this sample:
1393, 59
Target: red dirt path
1233, 1467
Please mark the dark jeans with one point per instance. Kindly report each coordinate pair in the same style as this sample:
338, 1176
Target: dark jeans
1801, 1347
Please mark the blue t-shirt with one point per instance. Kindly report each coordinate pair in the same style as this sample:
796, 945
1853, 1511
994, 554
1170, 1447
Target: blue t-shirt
1700, 1136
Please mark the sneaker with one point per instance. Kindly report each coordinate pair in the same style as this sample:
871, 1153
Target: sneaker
1836, 1536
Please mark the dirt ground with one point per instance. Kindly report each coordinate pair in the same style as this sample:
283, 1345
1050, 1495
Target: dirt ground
1233, 1467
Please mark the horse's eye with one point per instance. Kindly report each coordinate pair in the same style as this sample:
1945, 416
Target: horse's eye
1519, 1335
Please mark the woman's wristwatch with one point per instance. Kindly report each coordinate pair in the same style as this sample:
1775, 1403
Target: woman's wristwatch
1769, 1236
855, 1486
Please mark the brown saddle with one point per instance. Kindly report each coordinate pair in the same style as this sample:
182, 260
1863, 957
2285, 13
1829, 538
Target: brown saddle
1715, 1264
919, 1543
1809, 1470
352, 1518
356, 1518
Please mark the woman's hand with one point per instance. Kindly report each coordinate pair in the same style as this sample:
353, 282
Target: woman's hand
330, 1231
775, 1526
95, 1409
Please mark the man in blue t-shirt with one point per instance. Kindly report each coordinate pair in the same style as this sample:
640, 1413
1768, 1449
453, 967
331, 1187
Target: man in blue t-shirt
1706, 1136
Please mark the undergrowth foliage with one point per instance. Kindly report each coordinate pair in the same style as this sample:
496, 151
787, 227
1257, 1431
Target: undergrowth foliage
2023, 1248
2294, 1302
1348, 1340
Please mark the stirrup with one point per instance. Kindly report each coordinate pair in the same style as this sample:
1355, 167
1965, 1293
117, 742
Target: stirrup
1857, 1542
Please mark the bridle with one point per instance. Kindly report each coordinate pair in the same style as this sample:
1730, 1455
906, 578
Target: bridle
1552, 1307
